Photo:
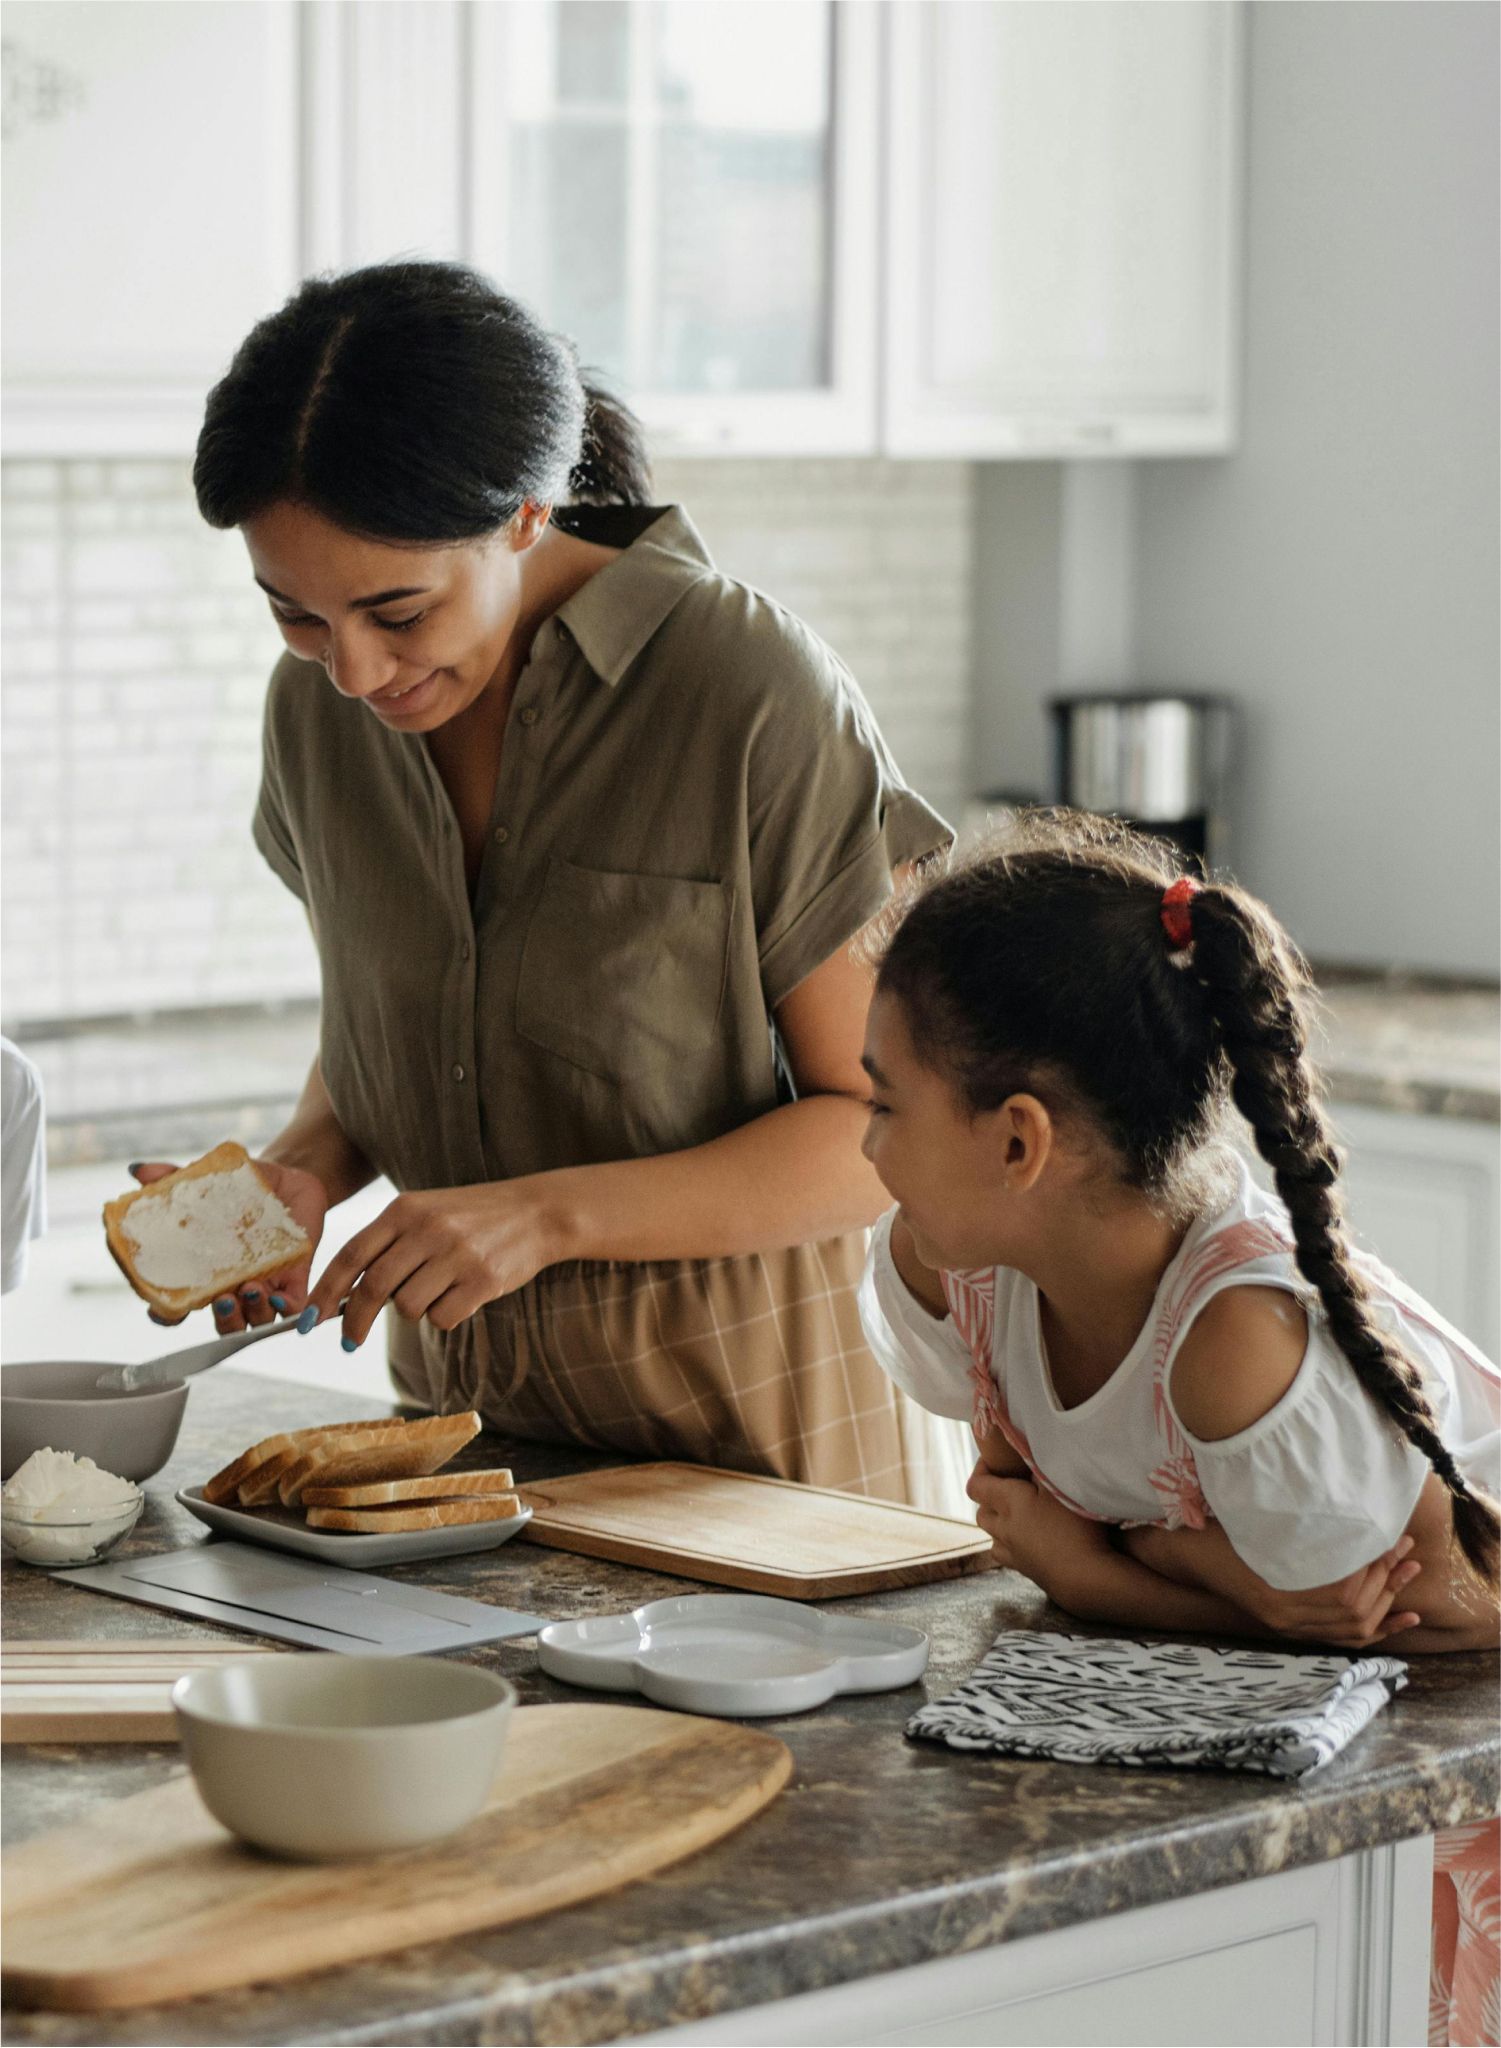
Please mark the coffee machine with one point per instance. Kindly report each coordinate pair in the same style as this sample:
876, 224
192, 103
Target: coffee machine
1159, 759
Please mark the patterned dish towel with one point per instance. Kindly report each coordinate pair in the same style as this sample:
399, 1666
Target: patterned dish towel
1084, 1701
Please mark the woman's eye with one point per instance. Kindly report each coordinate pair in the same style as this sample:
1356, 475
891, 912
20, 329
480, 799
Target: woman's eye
293, 618
876, 1108
402, 625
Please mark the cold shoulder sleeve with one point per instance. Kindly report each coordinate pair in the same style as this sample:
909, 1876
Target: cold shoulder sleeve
1321, 1485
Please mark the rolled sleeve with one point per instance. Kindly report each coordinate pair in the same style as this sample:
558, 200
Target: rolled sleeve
830, 817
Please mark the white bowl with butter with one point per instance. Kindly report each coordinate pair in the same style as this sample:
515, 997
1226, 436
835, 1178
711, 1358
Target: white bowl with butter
59, 1511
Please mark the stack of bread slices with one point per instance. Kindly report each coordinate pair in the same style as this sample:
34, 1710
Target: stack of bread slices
369, 1478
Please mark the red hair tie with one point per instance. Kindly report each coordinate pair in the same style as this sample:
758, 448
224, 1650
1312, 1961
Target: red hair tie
1176, 921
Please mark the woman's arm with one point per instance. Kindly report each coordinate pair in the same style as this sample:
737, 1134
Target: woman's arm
314, 1142
794, 1174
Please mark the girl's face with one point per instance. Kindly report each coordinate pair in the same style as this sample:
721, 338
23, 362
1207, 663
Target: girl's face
415, 634
954, 1174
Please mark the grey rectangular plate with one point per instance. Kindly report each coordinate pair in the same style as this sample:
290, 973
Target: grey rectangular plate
335, 1546
303, 1602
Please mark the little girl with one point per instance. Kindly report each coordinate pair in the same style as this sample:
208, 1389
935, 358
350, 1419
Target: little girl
1197, 1408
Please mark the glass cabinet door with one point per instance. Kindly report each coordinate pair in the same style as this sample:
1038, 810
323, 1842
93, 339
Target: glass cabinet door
688, 192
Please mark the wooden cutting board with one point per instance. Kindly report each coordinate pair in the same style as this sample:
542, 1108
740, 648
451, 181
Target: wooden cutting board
150, 1900
101, 1691
738, 1529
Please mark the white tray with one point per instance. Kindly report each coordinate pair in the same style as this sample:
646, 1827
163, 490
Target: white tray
733, 1653
337, 1546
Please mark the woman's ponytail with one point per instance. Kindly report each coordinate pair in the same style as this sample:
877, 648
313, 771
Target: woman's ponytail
613, 466
1255, 982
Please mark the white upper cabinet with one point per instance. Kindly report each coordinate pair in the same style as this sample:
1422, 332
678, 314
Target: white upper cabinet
1063, 204
150, 211
934, 227
690, 192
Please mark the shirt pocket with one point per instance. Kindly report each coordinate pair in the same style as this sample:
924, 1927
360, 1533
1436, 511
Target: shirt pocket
624, 974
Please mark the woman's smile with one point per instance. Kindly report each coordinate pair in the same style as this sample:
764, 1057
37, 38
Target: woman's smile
407, 700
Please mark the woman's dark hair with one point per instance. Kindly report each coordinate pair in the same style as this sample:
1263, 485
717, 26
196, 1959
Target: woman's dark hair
410, 402
1040, 965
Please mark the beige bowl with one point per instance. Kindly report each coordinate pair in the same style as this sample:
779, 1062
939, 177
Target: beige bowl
56, 1404
318, 1756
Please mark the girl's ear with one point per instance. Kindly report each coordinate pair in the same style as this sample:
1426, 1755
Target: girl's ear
527, 526
1024, 1135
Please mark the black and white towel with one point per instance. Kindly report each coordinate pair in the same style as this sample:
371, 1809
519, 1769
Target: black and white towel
1084, 1701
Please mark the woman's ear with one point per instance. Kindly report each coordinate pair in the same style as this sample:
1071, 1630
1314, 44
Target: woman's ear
1024, 1134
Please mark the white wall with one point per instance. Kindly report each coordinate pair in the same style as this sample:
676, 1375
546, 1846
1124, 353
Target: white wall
1338, 574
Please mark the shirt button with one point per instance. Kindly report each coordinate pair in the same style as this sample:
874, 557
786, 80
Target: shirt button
467, 949
529, 715
501, 835
458, 1072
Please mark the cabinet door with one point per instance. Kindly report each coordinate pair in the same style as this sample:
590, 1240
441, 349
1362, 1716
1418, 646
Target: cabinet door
150, 211
1064, 194
1424, 1194
689, 193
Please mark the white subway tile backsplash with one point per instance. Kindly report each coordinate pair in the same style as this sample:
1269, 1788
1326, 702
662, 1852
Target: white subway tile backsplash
136, 651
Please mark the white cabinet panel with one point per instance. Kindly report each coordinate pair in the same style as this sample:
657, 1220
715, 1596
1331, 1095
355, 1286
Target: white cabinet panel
1424, 1194
150, 211
1064, 189
1332, 1953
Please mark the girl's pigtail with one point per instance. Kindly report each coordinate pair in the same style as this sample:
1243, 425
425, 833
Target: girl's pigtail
1254, 979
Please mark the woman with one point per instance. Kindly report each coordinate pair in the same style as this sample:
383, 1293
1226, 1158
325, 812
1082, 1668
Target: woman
584, 830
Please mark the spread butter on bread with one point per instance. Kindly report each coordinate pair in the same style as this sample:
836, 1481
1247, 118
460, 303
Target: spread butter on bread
201, 1232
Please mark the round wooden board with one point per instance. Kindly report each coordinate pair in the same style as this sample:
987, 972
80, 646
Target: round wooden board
149, 1899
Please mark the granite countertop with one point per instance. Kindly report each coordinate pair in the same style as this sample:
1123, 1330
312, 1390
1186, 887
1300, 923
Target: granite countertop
172, 1085
879, 1854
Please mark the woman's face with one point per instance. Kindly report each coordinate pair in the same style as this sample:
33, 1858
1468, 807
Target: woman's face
415, 634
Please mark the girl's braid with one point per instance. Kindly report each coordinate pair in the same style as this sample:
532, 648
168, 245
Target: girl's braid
1253, 979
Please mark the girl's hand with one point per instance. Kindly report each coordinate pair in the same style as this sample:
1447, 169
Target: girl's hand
1035, 1534
440, 1253
1354, 1613
276, 1294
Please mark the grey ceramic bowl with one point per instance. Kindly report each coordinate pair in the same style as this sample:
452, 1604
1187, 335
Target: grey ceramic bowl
55, 1404
317, 1756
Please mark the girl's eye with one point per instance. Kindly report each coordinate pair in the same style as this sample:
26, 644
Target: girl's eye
293, 618
876, 1108
401, 625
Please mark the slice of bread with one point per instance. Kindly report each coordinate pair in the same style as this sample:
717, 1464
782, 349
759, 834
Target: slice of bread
439, 1514
382, 1492
201, 1232
244, 1470
406, 1450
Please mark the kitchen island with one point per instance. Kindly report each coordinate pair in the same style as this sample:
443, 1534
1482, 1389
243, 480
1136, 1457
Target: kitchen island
895, 1890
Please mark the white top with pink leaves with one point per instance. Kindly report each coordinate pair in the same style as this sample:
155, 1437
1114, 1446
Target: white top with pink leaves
1317, 1488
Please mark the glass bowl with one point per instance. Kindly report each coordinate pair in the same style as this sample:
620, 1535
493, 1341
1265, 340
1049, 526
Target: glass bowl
57, 1538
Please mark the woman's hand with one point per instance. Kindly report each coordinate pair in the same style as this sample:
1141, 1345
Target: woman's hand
283, 1293
1037, 1535
440, 1253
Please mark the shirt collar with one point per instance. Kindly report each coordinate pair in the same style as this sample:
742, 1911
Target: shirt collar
615, 614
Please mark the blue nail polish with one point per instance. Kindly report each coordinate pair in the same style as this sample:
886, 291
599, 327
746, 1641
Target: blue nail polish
160, 1321
223, 1306
135, 1166
349, 1343
307, 1319
279, 1303
250, 1294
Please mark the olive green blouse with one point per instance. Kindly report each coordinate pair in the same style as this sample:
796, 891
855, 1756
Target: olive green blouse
694, 810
